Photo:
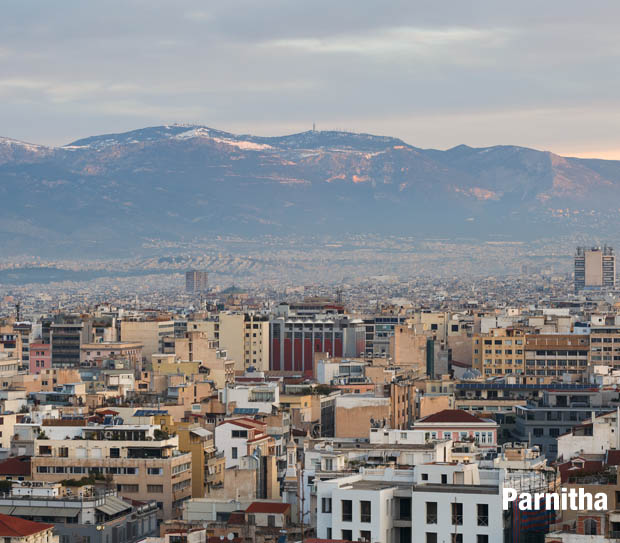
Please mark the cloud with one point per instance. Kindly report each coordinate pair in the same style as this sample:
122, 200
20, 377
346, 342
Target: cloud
392, 40
433, 73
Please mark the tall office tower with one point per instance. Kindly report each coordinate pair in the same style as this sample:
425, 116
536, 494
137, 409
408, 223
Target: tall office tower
595, 268
196, 281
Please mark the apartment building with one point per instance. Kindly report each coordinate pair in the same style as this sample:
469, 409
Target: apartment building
379, 331
556, 412
66, 338
241, 437
441, 502
295, 339
501, 352
40, 357
93, 354
142, 462
595, 267
549, 356
257, 398
81, 514
605, 343
150, 333
459, 425
196, 281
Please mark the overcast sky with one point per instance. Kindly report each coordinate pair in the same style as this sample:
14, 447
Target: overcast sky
435, 73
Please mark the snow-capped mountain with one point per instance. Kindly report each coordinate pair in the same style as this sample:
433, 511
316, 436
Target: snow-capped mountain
181, 181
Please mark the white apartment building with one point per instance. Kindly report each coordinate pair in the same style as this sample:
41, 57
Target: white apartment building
237, 438
442, 502
258, 398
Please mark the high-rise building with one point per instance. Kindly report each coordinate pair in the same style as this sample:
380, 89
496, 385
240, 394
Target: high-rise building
196, 281
595, 268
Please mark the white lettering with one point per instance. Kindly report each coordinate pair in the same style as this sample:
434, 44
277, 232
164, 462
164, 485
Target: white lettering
509, 495
572, 499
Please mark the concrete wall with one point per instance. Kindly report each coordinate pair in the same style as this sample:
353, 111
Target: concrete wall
353, 414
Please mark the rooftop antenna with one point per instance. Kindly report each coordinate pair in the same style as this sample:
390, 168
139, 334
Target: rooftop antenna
314, 127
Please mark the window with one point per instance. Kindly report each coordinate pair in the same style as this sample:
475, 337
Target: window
365, 511
538, 432
115, 453
347, 511
457, 538
156, 489
431, 512
457, 514
365, 535
271, 521
234, 452
431, 537
251, 519
326, 505
482, 538
130, 488
483, 514
425, 476
447, 435
239, 433
347, 535
155, 471
444, 479
590, 527
329, 533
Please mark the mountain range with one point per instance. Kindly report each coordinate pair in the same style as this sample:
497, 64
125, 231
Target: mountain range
118, 191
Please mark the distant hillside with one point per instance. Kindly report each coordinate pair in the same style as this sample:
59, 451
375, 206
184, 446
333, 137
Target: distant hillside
179, 182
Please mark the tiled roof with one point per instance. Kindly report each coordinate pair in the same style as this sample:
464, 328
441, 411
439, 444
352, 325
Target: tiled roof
268, 507
613, 457
453, 415
19, 527
236, 518
18, 465
569, 469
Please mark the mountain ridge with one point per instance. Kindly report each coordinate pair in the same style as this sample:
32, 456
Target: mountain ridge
175, 182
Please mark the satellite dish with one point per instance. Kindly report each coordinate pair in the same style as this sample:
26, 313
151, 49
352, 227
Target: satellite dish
230, 536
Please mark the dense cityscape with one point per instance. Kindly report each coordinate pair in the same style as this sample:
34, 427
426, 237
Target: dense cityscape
309, 272
384, 410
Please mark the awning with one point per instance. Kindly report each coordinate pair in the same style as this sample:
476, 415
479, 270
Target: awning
32, 511
113, 506
202, 432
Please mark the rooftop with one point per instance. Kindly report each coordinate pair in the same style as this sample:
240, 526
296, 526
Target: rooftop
268, 507
453, 415
18, 527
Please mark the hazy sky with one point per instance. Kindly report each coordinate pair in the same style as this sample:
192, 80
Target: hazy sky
435, 73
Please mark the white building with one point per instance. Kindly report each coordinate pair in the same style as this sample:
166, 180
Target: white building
260, 398
441, 501
595, 436
237, 438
